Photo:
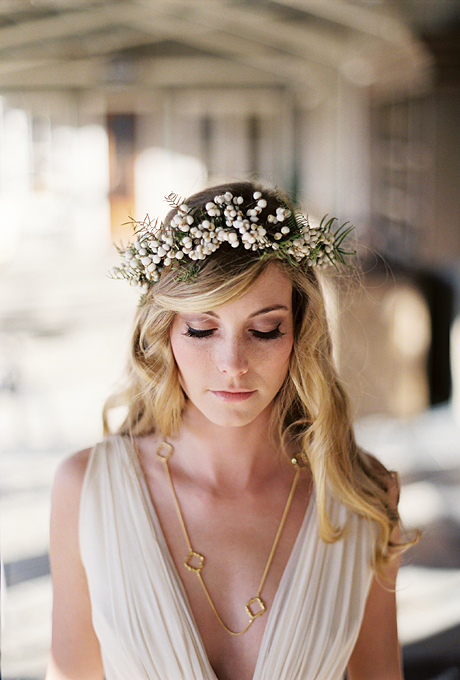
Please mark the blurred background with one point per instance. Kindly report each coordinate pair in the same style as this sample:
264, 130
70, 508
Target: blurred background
353, 106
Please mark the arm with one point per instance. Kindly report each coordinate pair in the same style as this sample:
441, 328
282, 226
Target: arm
75, 653
376, 655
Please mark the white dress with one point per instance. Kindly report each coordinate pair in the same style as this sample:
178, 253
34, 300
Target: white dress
140, 610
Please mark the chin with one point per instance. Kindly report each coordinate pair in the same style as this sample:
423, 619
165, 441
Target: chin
231, 422
236, 417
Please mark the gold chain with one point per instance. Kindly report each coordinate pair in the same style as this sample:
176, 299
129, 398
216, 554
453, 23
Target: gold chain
195, 561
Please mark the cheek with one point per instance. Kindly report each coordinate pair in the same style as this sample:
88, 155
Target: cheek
189, 359
274, 364
178, 349
286, 356
285, 351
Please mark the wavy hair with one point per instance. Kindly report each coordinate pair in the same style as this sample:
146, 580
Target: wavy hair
310, 413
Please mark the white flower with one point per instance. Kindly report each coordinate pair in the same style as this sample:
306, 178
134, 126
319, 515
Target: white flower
157, 245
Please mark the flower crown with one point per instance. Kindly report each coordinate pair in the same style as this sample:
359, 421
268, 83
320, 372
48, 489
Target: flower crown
194, 233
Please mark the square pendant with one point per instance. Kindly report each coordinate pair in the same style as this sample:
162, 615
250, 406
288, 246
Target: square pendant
194, 561
164, 451
253, 611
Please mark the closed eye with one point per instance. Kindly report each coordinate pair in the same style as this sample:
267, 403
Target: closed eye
259, 335
195, 333
269, 335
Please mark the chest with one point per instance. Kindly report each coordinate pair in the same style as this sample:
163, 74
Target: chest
236, 538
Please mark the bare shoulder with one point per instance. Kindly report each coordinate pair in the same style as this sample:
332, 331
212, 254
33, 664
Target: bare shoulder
71, 473
72, 469
66, 493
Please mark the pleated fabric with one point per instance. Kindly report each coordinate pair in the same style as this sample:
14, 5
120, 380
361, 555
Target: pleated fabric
140, 610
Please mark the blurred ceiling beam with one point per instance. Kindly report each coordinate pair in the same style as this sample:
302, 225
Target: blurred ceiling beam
252, 35
376, 22
259, 53
265, 57
164, 72
251, 24
67, 24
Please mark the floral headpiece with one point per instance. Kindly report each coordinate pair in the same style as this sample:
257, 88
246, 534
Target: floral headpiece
194, 233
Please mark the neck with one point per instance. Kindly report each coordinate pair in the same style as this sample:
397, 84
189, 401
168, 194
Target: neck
234, 458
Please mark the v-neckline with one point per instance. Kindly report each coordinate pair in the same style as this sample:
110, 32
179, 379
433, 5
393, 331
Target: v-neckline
167, 557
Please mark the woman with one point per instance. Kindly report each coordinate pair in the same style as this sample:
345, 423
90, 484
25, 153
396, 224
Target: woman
231, 528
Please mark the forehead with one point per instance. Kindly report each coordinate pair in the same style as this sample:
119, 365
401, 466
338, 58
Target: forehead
272, 291
271, 284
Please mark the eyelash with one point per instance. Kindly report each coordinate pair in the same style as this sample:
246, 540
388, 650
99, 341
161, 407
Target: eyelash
259, 335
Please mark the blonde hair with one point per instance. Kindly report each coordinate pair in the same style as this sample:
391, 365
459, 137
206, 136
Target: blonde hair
310, 413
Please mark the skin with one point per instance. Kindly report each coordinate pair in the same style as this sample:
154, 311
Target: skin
233, 361
232, 487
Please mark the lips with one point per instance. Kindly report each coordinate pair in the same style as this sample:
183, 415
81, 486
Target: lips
233, 395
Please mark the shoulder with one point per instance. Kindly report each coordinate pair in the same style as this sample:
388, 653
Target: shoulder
66, 492
71, 472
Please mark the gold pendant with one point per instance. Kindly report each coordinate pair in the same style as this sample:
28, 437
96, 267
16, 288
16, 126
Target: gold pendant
194, 567
253, 615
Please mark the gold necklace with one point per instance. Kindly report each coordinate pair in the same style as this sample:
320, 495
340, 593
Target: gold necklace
195, 561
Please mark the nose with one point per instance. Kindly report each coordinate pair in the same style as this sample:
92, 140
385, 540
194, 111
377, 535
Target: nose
232, 358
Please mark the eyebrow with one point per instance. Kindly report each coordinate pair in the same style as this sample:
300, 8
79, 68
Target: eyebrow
265, 310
